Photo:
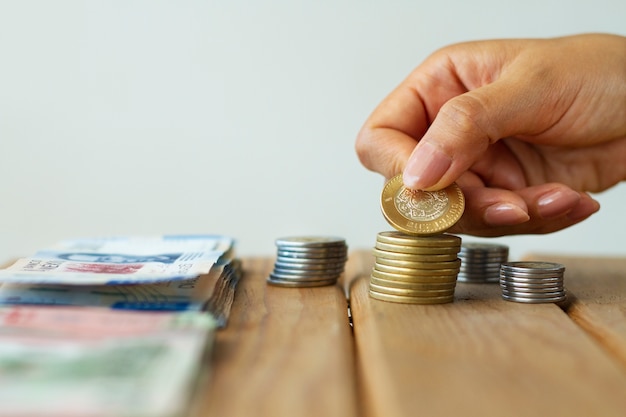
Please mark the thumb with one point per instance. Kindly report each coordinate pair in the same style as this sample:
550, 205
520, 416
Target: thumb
465, 127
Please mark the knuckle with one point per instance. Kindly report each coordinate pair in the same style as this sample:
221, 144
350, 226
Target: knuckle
376, 155
467, 117
363, 150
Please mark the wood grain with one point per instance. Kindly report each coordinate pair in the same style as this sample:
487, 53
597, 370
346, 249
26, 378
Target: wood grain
285, 352
597, 288
359, 263
479, 356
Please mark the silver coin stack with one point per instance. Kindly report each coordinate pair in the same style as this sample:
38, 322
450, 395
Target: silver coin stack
480, 262
532, 282
308, 261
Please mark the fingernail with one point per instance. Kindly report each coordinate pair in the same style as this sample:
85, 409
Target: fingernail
425, 166
557, 202
505, 214
584, 209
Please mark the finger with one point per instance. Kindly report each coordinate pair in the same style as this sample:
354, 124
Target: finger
555, 206
391, 132
490, 211
541, 209
467, 125
384, 151
499, 167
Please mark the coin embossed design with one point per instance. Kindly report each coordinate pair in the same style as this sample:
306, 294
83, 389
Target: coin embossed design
418, 212
421, 206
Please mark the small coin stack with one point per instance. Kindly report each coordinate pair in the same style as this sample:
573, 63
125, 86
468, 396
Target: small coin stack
308, 261
532, 282
415, 269
480, 262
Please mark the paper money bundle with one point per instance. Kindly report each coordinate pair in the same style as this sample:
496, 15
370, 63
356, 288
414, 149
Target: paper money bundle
63, 354
168, 273
85, 361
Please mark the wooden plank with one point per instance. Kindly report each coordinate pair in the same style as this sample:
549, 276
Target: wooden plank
597, 289
479, 356
285, 352
360, 262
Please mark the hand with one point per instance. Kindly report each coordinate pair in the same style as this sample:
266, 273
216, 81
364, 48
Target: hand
525, 127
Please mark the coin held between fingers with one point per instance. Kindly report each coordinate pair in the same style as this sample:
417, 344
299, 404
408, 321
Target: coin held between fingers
418, 212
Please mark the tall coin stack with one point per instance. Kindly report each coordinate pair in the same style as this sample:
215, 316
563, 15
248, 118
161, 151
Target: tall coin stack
480, 262
308, 261
415, 269
418, 263
532, 282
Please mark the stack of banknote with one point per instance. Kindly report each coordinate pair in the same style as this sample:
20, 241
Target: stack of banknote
168, 273
112, 326
85, 361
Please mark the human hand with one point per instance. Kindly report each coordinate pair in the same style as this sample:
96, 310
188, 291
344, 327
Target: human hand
525, 127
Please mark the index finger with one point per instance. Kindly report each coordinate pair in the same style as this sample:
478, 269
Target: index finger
392, 131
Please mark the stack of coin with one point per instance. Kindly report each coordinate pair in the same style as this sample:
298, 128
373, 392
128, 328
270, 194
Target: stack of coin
480, 262
532, 282
415, 269
308, 261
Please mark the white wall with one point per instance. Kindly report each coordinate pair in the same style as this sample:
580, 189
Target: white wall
149, 117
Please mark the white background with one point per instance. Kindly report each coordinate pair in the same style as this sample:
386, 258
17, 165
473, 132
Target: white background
150, 117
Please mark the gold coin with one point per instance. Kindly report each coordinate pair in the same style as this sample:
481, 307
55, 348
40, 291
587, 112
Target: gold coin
450, 285
455, 265
418, 212
300, 284
418, 275
411, 300
417, 250
393, 237
415, 257
417, 263
410, 292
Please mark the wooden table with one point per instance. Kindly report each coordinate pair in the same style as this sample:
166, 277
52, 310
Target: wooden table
295, 352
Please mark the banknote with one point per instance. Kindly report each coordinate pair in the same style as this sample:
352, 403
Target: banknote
145, 245
79, 361
212, 292
120, 260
